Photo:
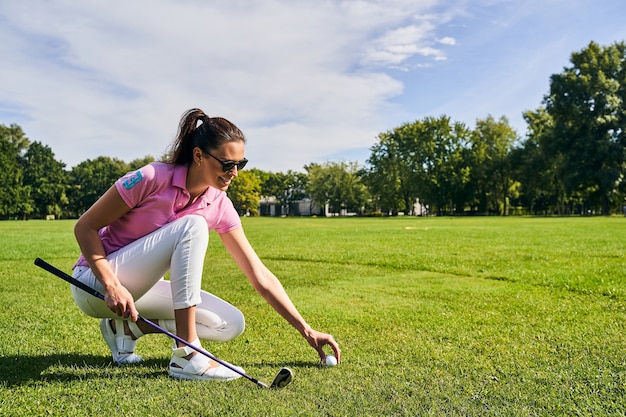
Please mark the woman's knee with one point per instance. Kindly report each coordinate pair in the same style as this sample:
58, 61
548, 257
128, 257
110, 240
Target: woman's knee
237, 326
217, 328
196, 224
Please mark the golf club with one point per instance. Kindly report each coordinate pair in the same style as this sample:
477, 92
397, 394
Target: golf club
281, 380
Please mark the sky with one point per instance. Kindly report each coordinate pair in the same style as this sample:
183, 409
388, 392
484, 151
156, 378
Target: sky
307, 81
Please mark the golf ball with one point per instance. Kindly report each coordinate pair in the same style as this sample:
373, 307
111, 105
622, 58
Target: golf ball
331, 360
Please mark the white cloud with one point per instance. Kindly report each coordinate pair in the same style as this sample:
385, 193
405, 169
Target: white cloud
447, 40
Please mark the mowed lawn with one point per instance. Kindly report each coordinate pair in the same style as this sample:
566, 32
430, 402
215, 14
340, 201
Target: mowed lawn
482, 316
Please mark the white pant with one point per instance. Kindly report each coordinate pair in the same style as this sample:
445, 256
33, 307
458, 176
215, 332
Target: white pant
180, 247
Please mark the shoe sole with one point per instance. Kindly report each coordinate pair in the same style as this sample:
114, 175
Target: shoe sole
191, 377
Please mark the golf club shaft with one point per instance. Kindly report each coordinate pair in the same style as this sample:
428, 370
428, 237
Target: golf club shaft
68, 278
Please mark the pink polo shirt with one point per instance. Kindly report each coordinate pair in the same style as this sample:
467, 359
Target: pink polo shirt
157, 195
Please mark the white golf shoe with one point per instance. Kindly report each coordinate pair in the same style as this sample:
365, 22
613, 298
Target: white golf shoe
122, 345
199, 367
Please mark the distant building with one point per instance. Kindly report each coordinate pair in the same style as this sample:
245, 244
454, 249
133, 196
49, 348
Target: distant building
305, 207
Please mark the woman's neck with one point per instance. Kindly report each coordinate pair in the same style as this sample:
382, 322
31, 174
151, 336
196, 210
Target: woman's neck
195, 186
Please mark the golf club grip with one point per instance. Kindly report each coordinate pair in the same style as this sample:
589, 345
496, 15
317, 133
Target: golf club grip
68, 278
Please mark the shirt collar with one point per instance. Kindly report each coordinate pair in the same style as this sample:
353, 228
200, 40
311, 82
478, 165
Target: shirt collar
179, 179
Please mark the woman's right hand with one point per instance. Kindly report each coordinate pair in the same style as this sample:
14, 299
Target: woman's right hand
120, 301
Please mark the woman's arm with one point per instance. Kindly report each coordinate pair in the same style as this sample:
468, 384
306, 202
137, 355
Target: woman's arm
106, 210
270, 288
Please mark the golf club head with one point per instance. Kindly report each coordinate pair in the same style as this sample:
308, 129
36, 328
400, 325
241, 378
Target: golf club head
282, 378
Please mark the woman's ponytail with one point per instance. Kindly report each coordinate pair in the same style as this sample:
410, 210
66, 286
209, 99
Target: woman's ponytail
196, 129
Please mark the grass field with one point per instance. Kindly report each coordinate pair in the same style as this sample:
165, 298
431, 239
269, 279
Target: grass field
435, 316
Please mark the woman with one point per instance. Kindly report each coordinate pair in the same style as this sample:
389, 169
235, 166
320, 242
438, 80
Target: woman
157, 219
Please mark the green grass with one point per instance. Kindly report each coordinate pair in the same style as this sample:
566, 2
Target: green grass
435, 316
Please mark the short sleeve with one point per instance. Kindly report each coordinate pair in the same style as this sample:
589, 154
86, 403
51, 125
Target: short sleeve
230, 218
136, 185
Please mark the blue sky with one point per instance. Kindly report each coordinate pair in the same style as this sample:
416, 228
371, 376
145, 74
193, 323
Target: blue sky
306, 80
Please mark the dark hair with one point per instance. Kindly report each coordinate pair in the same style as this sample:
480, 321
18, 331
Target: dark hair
212, 133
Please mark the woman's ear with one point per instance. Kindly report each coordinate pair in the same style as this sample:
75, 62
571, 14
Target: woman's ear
197, 156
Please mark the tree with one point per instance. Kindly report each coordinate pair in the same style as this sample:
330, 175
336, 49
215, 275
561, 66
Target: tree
47, 180
426, 159
286, 188
383, 176
140, 162
245, 193
337, 185
16, 137
587, 103
14, 195
90, 179
535, 169
263, 177
492, 142
445, 166
396, 176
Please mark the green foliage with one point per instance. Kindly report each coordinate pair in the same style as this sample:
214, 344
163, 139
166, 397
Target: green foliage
338, 185
534, 168
428, 160
16, 137
587, 103
286, 188
492, 143
244, 192
47, 179
90, 179
466, 317
392, 180
15, 201
138, 163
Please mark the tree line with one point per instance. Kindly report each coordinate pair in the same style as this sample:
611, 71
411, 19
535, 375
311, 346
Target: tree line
571, 160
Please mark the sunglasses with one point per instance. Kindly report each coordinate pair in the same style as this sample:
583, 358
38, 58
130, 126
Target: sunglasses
229, 165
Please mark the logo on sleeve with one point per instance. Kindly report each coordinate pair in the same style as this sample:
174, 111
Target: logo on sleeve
131, 181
